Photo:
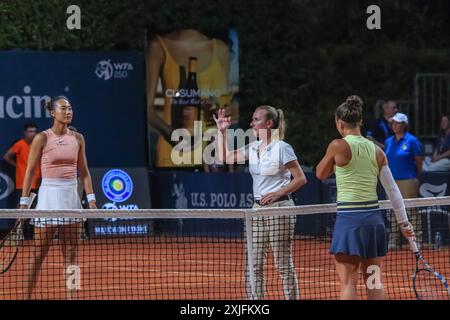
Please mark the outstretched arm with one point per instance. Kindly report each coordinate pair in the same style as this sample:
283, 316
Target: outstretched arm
393, 193
225, 155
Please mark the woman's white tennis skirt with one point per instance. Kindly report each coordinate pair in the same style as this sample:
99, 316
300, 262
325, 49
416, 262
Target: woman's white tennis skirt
57, 194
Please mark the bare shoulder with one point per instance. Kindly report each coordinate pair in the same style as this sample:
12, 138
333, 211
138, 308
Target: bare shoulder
40, 138
223, 52
221, 45
154, 47
79, 137
340, 147
379, 151
338, 144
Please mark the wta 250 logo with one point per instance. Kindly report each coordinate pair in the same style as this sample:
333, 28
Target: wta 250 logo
117, 185
119, 70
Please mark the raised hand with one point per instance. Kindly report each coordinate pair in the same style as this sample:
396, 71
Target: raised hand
222, 122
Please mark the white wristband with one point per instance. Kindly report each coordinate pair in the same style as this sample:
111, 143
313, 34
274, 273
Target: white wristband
24, 201
90, 197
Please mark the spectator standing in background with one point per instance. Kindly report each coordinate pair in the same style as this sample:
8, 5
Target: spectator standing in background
17, 156
380, 129
405, 156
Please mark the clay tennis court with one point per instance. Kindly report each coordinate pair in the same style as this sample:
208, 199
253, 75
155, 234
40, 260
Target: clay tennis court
197, 268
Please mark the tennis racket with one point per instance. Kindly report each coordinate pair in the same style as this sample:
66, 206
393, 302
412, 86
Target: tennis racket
9, 245
428, 284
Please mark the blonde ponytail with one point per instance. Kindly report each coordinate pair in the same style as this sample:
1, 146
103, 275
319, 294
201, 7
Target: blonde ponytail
278, 119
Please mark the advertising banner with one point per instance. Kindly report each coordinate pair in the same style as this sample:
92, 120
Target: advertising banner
124, 189
190, 76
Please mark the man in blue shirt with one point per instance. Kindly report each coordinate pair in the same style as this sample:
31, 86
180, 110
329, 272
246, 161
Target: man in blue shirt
380, 129
404, 153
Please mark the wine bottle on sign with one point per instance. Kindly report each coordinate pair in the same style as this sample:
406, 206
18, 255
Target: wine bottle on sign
178, 101
191, 110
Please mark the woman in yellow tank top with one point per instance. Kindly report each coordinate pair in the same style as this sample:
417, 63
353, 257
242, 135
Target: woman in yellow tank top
165, 56
359, 236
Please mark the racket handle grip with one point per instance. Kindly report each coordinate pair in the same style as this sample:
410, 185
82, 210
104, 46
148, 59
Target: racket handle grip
31, 199
413, 245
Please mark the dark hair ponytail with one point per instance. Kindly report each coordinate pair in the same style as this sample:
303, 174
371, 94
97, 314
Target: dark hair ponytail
350, 111
50, 104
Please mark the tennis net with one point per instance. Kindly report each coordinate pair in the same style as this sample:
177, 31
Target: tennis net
202, 254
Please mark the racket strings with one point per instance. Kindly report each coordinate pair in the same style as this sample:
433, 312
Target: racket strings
429, 287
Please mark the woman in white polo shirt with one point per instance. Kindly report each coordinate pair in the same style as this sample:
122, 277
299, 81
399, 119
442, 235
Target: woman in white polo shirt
272, 162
